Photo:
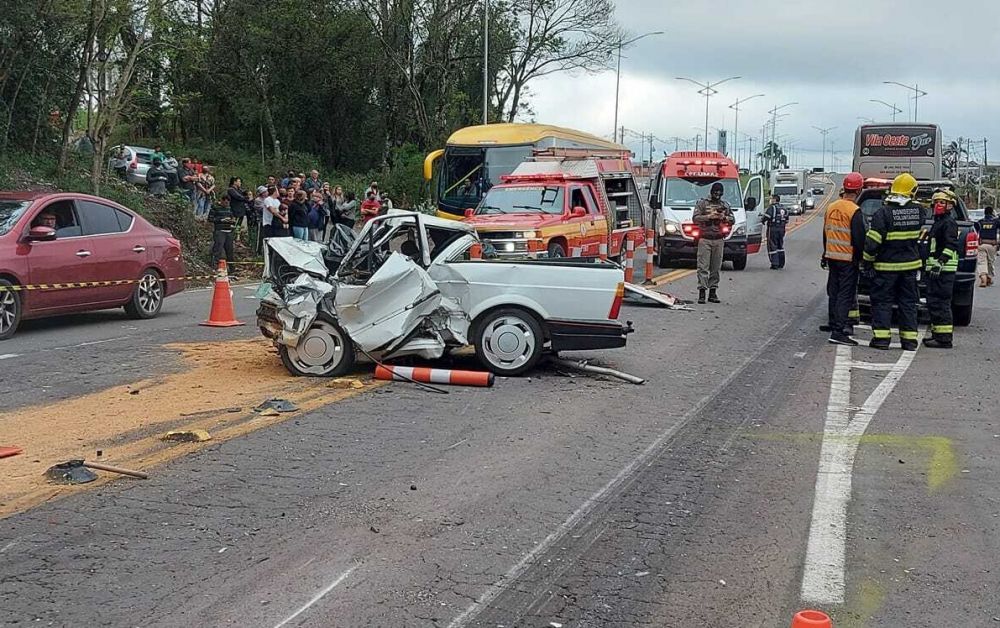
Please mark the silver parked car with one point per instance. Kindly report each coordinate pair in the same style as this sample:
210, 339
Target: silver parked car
139, 160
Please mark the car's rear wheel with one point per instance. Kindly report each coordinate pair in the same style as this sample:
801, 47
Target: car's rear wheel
147, 298
961, 315
740, 262
10, 309
324, 350
509, 341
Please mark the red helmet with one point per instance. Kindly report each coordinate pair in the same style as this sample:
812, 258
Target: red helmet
853, 182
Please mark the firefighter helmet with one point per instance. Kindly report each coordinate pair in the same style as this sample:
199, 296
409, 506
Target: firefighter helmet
853, 182
903, 189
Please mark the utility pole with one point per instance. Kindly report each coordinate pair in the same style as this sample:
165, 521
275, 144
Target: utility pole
824, 133
917, 93
486, 61
736, 125
774, 125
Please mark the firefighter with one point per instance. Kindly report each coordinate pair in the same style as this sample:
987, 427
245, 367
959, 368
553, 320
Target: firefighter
714, 218
776, 219
892, 259
942, 263
843, 245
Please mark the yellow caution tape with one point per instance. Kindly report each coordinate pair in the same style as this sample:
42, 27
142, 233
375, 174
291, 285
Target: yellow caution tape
93, 284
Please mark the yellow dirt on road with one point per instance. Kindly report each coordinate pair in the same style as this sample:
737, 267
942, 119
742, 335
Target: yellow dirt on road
216, 389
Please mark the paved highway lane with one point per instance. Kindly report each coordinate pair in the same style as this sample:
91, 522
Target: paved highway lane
571, 500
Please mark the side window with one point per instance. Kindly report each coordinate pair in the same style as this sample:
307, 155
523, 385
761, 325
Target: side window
98, 218
124, 220
67, 221
581, 197
591, 204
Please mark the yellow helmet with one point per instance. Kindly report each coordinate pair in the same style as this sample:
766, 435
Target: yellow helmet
944, 195
904, 185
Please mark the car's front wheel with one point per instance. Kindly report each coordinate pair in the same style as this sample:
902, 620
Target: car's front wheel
740, 262
509, 341
10, 309
147, 298
324, 350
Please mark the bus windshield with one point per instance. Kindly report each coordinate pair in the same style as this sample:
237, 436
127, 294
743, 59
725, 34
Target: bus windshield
469, 172
522, 199
687, 192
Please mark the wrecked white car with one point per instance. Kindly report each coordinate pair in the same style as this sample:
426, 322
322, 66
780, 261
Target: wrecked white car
412, 285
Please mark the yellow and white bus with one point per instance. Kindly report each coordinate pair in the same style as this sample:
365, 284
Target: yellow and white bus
474, 159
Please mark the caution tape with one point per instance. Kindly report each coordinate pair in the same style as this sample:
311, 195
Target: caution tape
94, 284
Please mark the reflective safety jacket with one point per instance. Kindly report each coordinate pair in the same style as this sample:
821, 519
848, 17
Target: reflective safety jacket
943, 236
843, 232
892, 242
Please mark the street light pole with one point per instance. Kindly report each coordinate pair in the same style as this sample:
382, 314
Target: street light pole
618, 69
774, 126
824, 133
917, 93
736, 107
707, 90
894, 108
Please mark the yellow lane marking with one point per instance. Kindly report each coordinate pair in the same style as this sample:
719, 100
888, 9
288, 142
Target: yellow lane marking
216, 389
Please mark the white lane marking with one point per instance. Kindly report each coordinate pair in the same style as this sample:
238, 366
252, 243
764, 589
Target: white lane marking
510, 577
316, 598
8, 356
823, 578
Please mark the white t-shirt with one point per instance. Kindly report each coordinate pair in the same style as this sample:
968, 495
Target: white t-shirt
270, 203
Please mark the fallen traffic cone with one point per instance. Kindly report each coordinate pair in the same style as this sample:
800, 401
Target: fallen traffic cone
222, 314
811, 619
434, 376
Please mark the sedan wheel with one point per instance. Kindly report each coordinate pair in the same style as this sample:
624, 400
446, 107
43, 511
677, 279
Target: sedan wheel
147, 300
324, 350
509, 341
10, 310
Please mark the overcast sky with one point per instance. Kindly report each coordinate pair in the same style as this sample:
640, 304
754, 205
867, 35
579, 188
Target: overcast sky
830, 57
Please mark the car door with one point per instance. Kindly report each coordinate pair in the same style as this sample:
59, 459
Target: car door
755, 229
69, 258
119, 252
590, 232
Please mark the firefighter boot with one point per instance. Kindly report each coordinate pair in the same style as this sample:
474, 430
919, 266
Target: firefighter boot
701, 296
712, 296
938, 341
909, 345
881, 344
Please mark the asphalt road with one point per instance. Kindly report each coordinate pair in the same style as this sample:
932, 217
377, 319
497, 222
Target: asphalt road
557, 499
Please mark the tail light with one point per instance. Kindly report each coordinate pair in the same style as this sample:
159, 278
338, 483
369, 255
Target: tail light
972, 244
616, 305
174, 243
691, 230
725, 228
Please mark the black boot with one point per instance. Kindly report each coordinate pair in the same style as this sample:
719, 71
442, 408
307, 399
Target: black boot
827, 328
879, 343
713, 297
939, 341
701, 296
908, 345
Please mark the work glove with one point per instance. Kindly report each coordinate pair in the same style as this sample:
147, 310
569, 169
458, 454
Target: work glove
935, 271
823, 264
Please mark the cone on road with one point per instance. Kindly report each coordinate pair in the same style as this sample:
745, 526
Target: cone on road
222, 314
811, 619
434, 376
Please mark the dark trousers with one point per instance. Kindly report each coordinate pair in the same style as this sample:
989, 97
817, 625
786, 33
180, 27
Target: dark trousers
939, 289
841, 292
222, 246
899, 288
776, 246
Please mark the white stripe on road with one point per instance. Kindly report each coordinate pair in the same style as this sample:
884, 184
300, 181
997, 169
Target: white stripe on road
823, 578
316, 598
7, 356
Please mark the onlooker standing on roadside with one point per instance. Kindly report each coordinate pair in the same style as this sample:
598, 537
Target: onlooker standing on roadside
987, 228
119, 163
312, 184
348, 212
221, 217
372, 189
188, 177
206, 192
170, 167
370, 207
298, 216
156, 179
158, 154
288, 179
239, 202
317, 217
270, 218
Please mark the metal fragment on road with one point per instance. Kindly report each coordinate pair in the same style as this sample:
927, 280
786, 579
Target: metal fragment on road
277, 405
70, 472
582, 365
644, 296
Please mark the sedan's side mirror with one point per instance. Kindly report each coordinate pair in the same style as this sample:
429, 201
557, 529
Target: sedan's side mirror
40, 233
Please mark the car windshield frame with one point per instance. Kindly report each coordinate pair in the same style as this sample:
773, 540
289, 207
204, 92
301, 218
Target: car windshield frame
550, 201
11, 212
700, 187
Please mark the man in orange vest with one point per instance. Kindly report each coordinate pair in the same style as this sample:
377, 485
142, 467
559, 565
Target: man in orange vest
843, 245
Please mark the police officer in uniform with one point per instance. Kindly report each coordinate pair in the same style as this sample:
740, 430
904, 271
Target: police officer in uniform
714, 218
942, 263
776, 219
843, 244
988, 229
892, 259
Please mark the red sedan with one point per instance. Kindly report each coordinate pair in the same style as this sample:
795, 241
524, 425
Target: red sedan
48, 238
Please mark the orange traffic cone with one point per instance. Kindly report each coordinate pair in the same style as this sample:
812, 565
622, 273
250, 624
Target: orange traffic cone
811, 619
434, 376
222, 314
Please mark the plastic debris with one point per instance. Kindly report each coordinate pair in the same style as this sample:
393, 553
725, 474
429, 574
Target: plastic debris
278, 405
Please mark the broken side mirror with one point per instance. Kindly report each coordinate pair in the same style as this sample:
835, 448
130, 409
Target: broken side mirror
470, 212
750, 204
40, 234
578, 212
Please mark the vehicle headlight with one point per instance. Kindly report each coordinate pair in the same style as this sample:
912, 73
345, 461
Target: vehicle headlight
508, 247
740, 230
527, 235
670, 227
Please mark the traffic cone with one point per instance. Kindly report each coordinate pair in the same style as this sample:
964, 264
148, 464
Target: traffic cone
811, 619
222, 314
434, 376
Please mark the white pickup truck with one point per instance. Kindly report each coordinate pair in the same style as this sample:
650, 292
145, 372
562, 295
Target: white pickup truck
410, 284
